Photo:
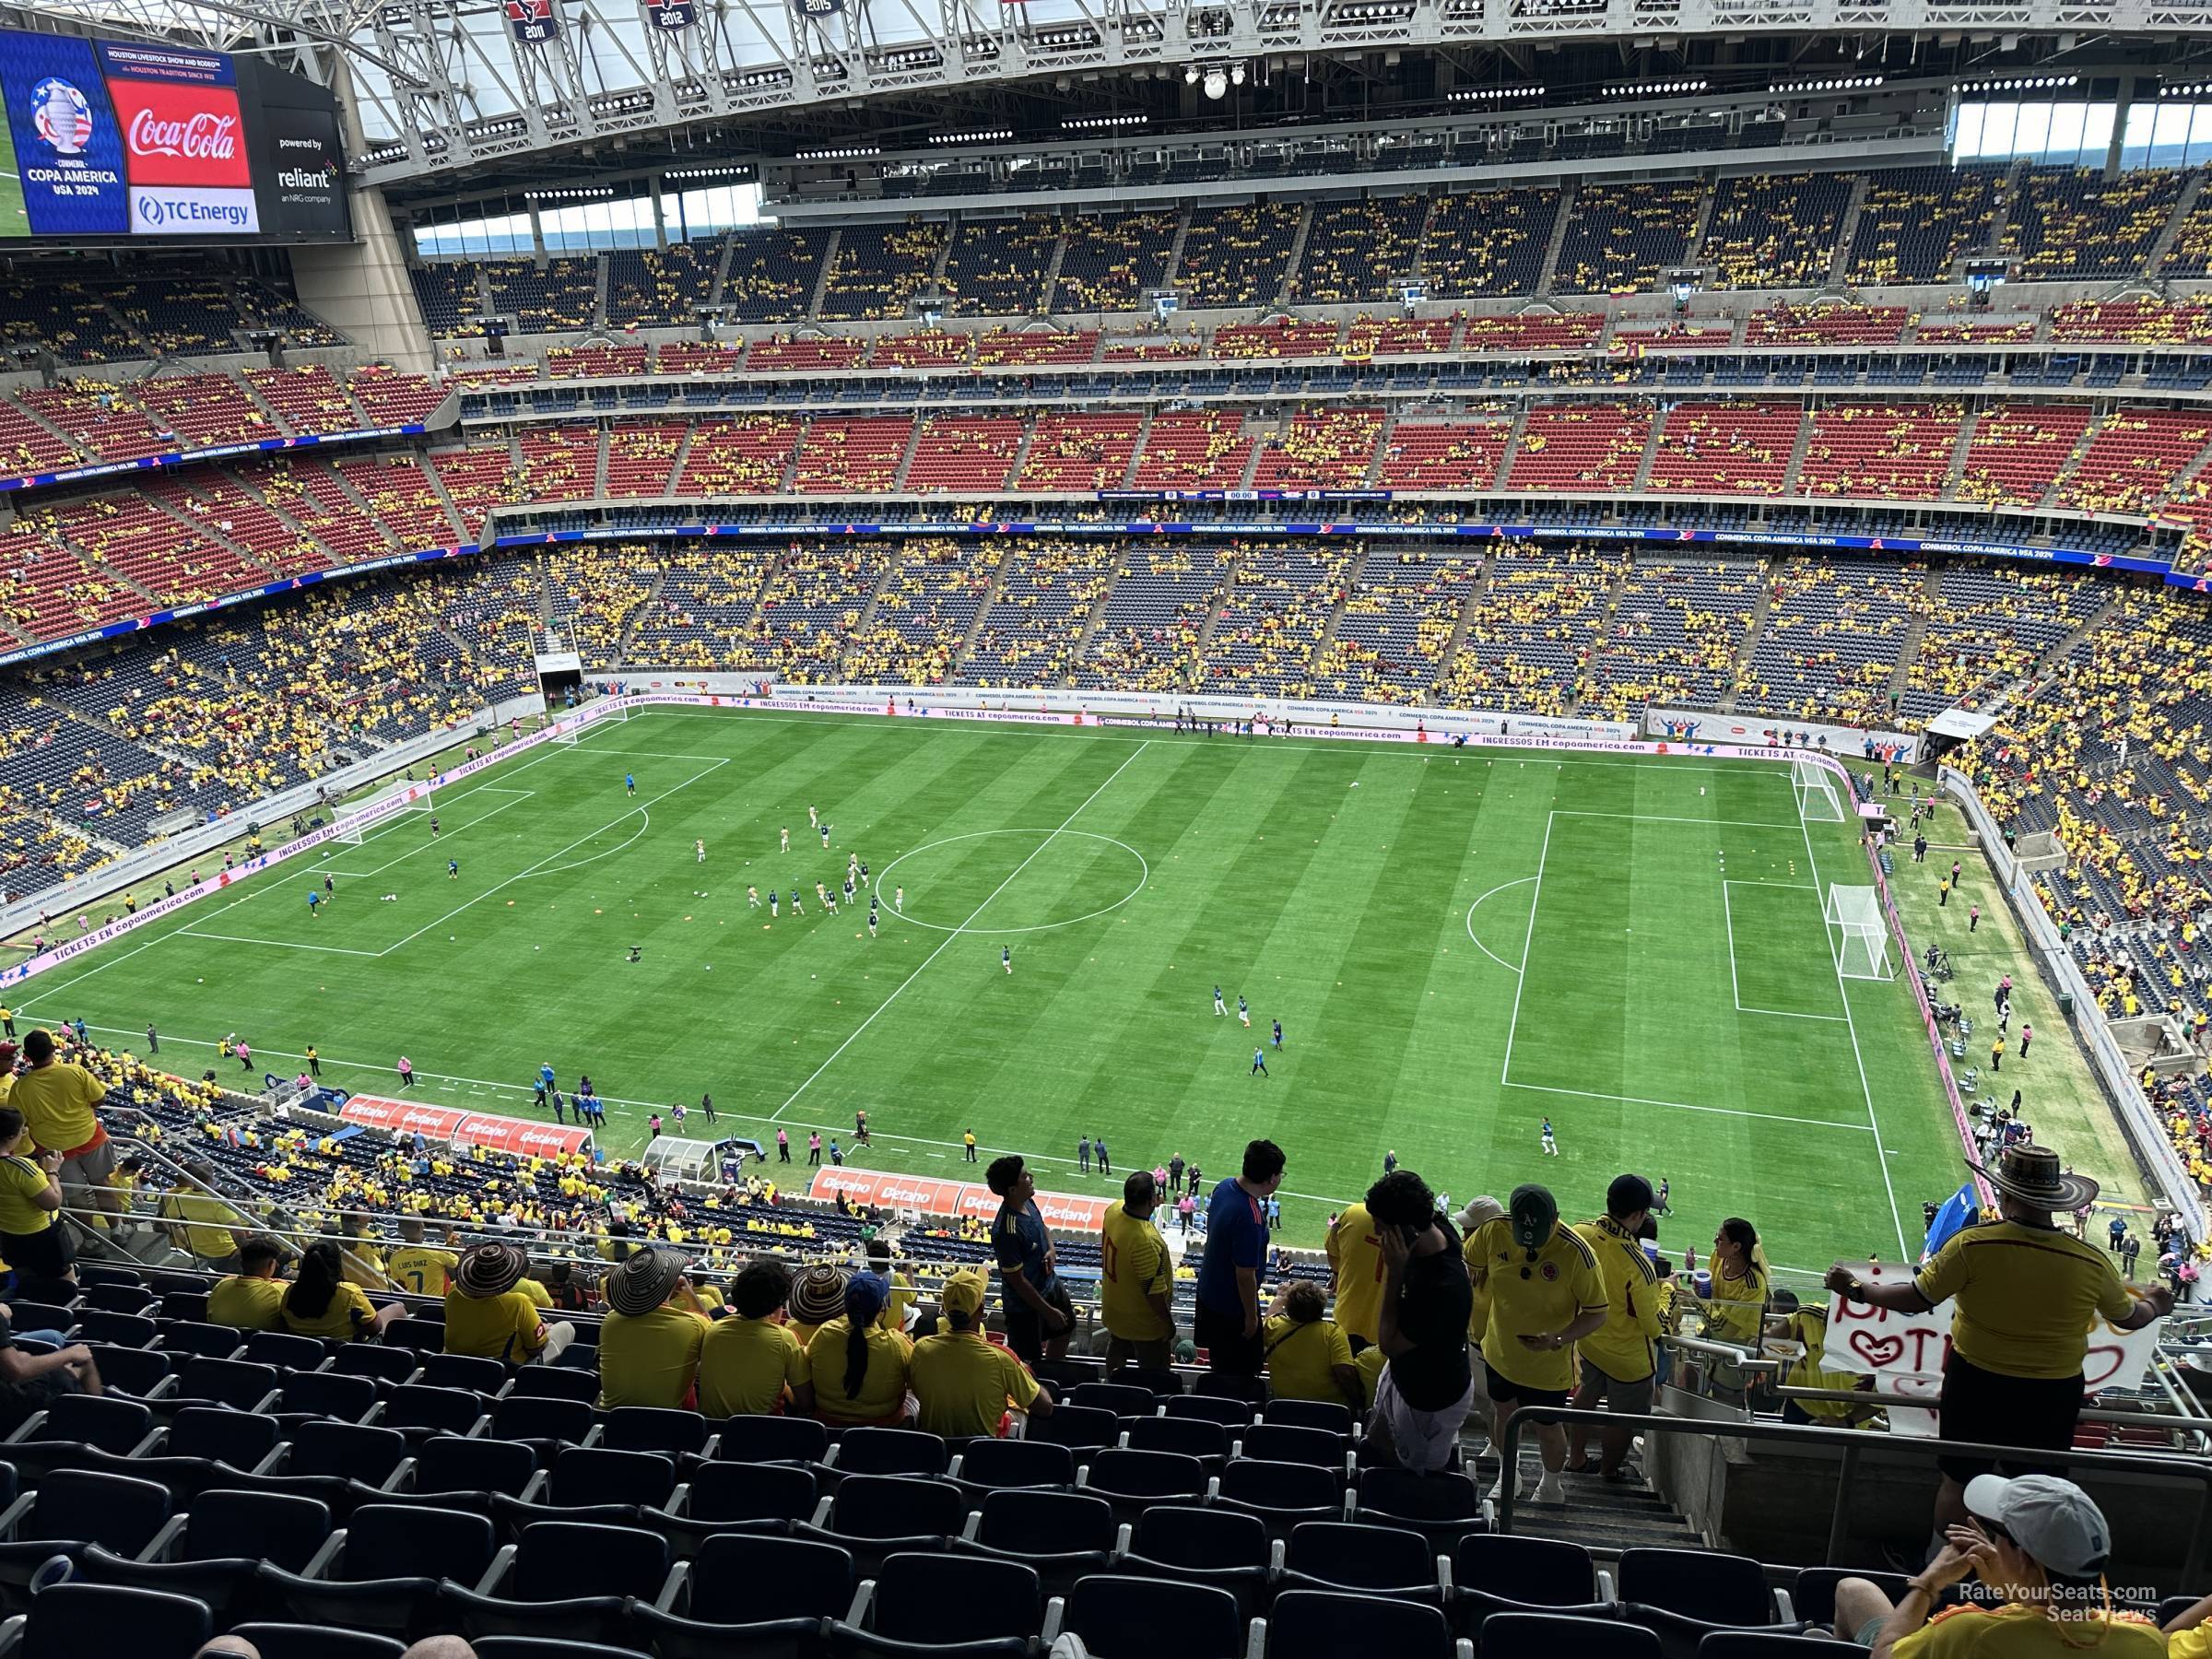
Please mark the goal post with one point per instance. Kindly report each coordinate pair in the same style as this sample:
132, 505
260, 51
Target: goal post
1857, 933
376, 815
1816, 792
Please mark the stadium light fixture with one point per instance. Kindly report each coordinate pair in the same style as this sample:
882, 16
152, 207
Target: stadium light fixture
995, 135
1850, 82
857, 152
1092, 123
1493, 94
1216, 83
1674, 88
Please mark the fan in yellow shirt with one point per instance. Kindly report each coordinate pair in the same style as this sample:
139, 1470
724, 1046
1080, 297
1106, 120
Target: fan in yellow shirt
750, 1362
423, 1268
963, 1383
860, 1369
649, 1345
1135, 1280
1356, 1272
322, 1303
1308, 1354
252, 1297
1620, 1359
1546, 1294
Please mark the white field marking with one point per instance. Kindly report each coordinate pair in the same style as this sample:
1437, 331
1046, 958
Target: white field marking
1771, 1117
1654, 817
324, 866
1143, 864
1478, 905
1521, 982
1904, 1250
953, 937
194, 933
40, 991
1728, 922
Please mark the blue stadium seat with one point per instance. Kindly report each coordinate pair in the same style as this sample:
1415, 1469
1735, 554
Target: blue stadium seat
1117, 1618
890, 1452
720, 1497
1324, 1415
1189, 1437
748, 1596
1364, 1559
652, 1429
472, 1372
877, 1516
557, 1383
1062, 1536
990, 1466
1132, 1481
569, 1580
771, 1439
1197, 1545
242, 1439
383, 1574
419, 1410
217, 1554
1548, 1635
68, 1621
1314, 1624
1281, 1495
72, 1509
1079, 1427
1493, 1574
327, 1396
953, 1609
1443, 1508
1211, 1409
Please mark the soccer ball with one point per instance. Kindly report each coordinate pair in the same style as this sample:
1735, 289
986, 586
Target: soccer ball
1700, 789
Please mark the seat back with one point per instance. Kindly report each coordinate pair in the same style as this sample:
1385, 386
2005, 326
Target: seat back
1189, 1437
1700, 1584
1211, 1409
1125, 1400
453, 1463
368, 1360
1541, 1571
527, 1418
83, 1506
557, 1383
424, 1336
125, 1330
217, 1342
1325, 1414
282, 1350
69, 1621
348, 1450
1279, 1487
1187, 1536
1146, 1475
421, 1407
1079, 1427
772, 1440
112, 1424
1279, 1442
272, 1526
128, 1371
1046, 1523
116, 1295
559, 1560
1123, 1618
652, 1429
1310, 1624
1548, 1635
743, 1578
585, 1475
472, 1372
318, 1641
897, 1506
1362, 1557
327, 1393
241, 1438
937, 1599
1016, 1462
891, 1452
393, 1541
234, 1383
723, 1491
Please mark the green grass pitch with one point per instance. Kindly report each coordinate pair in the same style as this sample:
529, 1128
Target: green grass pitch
1459, 943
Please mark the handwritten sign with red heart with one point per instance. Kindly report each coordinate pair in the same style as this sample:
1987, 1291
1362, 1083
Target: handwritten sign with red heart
1893, 1345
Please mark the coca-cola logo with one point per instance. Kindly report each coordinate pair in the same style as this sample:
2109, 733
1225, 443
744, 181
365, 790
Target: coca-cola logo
201, 136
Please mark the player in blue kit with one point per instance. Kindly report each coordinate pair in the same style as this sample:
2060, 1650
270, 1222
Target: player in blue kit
1259, 1062
1006, 954
1243, 1013
629, 782
1279, 1033
1220, 1008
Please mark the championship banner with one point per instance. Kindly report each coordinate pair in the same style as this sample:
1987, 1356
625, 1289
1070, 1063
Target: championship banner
673, 17
534, 21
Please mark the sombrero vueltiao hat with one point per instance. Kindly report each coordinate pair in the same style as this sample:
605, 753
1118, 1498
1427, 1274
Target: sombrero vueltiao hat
2034, 1175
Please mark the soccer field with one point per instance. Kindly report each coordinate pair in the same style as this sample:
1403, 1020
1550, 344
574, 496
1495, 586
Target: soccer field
1458, 943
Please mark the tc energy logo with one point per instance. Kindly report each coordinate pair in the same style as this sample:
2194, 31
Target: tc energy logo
174, 213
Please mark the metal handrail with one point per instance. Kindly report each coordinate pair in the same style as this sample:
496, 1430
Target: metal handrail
1851, 1444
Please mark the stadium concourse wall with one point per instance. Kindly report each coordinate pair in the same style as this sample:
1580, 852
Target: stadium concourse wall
1370, 722
2138, 1119
149, 861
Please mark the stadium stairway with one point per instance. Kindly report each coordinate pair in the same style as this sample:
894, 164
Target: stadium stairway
2192, 187
1915, 630
1751, 637
1847, 233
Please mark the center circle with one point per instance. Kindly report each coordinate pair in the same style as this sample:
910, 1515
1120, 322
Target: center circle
986, 887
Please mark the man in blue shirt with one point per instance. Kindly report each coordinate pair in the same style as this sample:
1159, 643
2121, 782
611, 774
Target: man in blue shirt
1040, 1317
1228, 1275
1083, 1155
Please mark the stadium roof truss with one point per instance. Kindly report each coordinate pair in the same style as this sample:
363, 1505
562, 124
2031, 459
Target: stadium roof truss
441, 85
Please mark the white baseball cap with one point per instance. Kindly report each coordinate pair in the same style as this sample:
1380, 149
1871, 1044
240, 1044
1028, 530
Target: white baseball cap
2052, 1519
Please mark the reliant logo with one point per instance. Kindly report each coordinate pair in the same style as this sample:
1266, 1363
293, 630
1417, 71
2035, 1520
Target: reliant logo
202, 136
306, 178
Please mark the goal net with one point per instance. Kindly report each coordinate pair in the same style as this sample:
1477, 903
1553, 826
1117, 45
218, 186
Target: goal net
1815, 791
375, 815
570, 725
1857, 933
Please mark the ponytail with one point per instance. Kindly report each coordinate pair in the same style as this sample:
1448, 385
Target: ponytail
856, 1357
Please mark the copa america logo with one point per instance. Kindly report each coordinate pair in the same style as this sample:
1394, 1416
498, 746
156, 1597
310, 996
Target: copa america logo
202, 136
61, 116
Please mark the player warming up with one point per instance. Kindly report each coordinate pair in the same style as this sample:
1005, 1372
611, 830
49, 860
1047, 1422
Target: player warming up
452, 869
629, 782
699, 851
1006, 956
785, 847
1551, 1145
1220, 1008
1259, 1062
1243, 1013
